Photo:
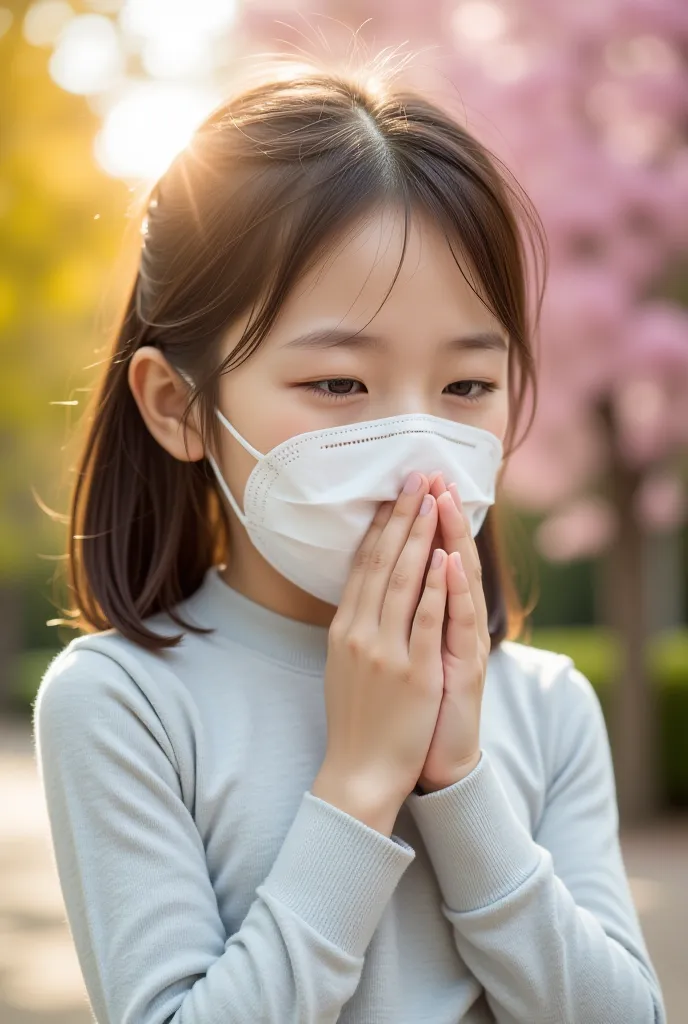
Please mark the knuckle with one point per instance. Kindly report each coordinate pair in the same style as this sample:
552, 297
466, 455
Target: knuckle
355, 642
361, 559
394, 663
425, 619
382, 661
378, 660
467, 620
378, 560
478, 571
399, 580
336, 632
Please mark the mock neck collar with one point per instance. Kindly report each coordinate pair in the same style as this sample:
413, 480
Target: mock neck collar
232, 615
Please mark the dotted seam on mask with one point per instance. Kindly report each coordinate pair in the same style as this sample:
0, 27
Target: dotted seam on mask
292, 451
399, 433
260, 488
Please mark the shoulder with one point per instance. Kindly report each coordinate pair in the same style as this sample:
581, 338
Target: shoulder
86, 668
97, 720
100, 682
548, 675
559, 700
531, 664
548, 687
104, 662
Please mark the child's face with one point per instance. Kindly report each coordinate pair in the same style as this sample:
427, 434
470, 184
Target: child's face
409, 357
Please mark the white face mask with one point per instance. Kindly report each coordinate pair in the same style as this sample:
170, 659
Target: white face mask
309, 501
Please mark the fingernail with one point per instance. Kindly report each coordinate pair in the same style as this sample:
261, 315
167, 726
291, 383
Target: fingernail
413, 483
426, 504
437, 558
457, 560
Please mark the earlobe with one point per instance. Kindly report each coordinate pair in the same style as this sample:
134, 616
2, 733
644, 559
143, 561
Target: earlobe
162, 396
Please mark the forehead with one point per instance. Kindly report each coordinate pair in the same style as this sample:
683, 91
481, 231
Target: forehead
352, 278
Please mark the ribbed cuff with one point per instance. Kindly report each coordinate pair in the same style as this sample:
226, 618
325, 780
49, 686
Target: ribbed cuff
337, 873
479, 849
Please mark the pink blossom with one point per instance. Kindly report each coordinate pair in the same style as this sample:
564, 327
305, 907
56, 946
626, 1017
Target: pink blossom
657, 342
582, 530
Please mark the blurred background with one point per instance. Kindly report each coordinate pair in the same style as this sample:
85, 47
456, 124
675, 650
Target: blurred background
587, 103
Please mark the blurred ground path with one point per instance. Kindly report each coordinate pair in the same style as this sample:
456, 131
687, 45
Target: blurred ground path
40, 981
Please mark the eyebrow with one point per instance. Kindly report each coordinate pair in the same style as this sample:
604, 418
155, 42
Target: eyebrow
339, 338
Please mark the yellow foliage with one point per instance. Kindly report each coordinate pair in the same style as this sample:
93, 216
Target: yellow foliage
72, 285
8, 301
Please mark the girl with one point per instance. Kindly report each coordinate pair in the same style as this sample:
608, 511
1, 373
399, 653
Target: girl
295, 769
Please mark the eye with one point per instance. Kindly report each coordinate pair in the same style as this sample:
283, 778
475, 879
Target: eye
464, 388
335, 387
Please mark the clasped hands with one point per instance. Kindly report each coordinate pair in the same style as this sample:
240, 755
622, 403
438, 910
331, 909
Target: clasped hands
455, 746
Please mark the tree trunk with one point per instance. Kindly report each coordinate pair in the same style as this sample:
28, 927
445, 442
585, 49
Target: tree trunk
633, 709
665, 589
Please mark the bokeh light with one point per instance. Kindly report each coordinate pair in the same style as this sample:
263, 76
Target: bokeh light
45, 20
148, 69
154, 17
148, 126
87, 58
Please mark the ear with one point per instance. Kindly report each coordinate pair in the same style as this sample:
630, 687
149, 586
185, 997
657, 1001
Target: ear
161, 395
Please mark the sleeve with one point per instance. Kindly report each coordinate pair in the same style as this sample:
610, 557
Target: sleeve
140, 904
546, 923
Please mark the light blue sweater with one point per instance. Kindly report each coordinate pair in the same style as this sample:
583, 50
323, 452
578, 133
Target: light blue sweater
204, 884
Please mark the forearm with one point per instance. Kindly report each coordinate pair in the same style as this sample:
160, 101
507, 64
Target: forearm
541, 958
544, 960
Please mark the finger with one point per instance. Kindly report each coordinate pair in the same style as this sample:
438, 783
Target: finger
482, 606
385, 554
454, 491
437, 486
471, 562
406, 580
352, 587
425, 641
461, 636
457, 537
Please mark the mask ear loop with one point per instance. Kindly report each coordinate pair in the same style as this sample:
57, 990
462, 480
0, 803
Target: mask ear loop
225, 490
220, 479
216, 469
258, 456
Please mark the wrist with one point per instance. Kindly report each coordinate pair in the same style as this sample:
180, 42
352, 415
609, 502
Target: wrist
358, 797
457, 774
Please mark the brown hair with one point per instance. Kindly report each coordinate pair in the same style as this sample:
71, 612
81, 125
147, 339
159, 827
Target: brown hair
250, 204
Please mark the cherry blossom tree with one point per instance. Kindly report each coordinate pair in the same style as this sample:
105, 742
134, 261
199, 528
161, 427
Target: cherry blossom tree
587, 103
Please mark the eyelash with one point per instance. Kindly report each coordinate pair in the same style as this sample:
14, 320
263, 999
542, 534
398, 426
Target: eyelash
312, 386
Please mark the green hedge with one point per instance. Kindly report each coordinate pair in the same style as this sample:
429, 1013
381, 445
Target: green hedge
594, 651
